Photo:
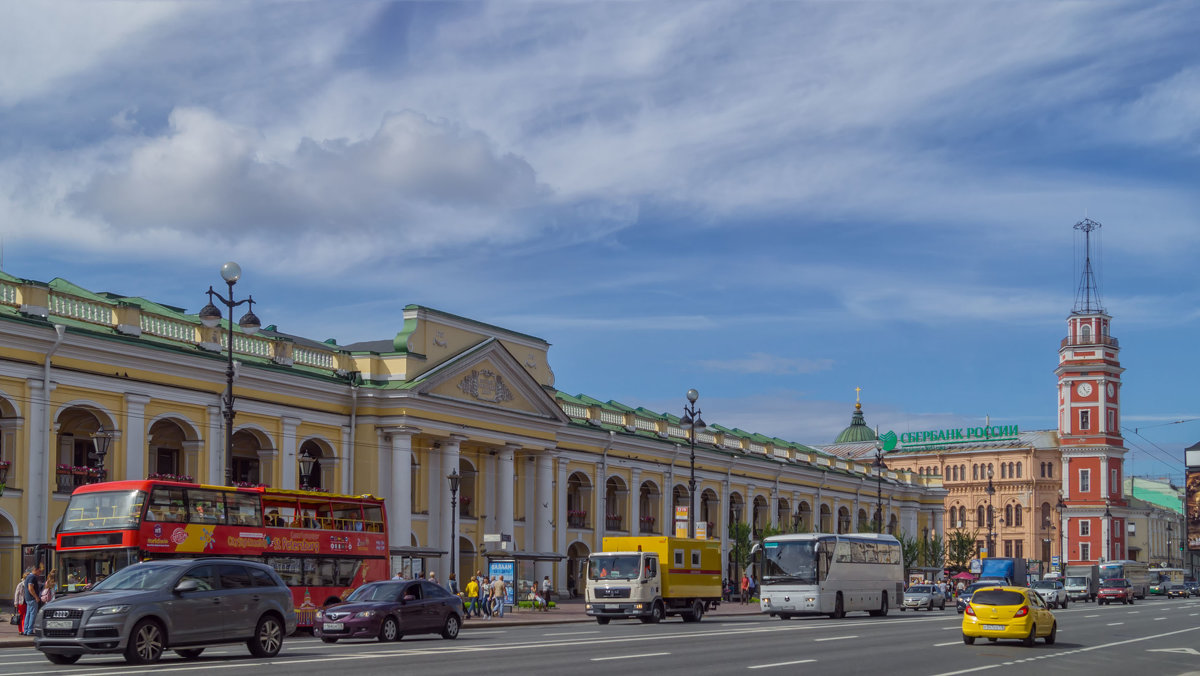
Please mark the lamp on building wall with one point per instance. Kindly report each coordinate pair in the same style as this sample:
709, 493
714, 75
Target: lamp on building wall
991, 491
210, 316
692, 422
879, 468
454, 478
306, 465
101, 441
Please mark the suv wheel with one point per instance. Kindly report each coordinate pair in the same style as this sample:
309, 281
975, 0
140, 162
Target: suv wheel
59, 658
146, 643
268, 637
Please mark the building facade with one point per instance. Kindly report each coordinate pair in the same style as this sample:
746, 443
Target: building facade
544, 475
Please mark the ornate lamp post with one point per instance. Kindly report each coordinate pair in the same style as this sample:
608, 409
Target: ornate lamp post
1062, 553
306, 465
737, 520
879, 468
101, 440
454, 478
210, 316
1170, 530
1107, 554
991, 491
691, 421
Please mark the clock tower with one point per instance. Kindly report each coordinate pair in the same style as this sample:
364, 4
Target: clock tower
1093, 511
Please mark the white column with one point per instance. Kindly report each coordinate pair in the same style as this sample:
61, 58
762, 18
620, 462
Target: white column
439, 502
560, 522
346, 454
600, 515
134, 435
191, 459
504, 490
287, 453
491, 523
939, 521
527, 478
41, 461
635, 501
383, 468
723, 525
400, 505
773, 505
450, 462
543, 508
216, 449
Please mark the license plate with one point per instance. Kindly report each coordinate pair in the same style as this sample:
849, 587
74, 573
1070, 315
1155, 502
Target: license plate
58, 624
333, 626
993, 627
612, 606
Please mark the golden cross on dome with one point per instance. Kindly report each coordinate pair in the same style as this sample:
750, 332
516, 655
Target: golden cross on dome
857, 390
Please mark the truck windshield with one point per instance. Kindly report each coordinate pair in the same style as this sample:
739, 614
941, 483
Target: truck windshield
789, 562
622, 567
1077, 581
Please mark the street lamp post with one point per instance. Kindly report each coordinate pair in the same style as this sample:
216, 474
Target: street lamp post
1170, 531
737, 550
454, 478
991, 491
1062, 545
691, 421
879, 467
210, 316
1107, 553
101, 440
306, 465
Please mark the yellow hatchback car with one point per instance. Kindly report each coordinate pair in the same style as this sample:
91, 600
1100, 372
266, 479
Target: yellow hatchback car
1008, 612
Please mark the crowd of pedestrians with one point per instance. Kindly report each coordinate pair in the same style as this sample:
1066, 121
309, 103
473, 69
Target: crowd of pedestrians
32, 591
485, 597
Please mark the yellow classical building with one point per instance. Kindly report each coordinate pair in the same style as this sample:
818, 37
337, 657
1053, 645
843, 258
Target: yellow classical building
545, 475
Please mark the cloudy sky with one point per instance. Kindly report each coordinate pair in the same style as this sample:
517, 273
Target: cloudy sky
772, 202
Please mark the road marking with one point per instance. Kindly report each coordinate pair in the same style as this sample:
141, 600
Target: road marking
779, 664
1193, 614
1185, 651
834, 638
627, 657
1091, 616
569, 633
1113, 624
1134, 612
1159, 618
940, 645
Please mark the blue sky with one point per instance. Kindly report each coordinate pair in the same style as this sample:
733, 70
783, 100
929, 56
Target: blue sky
773, 203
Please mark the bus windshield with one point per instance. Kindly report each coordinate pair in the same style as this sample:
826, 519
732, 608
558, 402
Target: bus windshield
623, 567
793, 562
108, 510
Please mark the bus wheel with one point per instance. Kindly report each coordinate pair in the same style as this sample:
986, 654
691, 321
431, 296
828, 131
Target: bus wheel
785, 616
839, 610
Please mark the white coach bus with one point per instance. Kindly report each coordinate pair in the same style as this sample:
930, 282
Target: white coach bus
824, 574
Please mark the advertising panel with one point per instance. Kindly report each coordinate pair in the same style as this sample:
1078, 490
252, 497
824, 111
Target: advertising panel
1193, 509
507, 568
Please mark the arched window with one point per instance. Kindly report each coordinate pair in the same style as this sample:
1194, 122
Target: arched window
979, 517
1008, 518
1018, 469
1050, 470
1002, 470
1017, 516
962, 516
975, 472
990, 470
1085, 334
962, 472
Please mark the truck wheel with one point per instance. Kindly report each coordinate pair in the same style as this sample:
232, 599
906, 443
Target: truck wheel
602, 620
695, 613
657, 613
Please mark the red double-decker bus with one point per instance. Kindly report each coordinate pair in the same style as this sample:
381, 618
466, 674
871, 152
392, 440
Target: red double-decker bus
321, 544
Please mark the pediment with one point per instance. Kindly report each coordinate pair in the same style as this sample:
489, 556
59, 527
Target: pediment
489, 375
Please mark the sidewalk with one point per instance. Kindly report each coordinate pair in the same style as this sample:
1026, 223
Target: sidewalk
571, 610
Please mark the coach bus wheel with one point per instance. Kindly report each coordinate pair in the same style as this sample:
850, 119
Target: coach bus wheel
839, 610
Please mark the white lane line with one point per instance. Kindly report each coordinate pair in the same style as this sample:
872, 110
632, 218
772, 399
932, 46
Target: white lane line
1159, 618
571, 633
1134, 612
1193, 614
778, 664
1114, 624
835, 638
941, 645
949, 628
1091, 616
627, 657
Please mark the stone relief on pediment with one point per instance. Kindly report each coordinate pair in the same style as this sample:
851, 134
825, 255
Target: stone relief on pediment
485, 385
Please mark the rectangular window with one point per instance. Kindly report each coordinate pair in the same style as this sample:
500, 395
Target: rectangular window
1114, 486
1085, 419
695, 558
1008, 548
1085, 527
1085, 481
1085, 551
1112, 420
1020, 549
678, 558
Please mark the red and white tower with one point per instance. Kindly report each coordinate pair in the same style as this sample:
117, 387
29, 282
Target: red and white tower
1089, 417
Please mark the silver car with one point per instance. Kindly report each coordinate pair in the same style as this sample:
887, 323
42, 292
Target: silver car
926, 596
181, 604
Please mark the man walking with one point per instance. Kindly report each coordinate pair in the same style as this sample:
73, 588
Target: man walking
547, 589
499, 595
33, 596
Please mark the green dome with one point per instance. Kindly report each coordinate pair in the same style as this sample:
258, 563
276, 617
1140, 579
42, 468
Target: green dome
857, 431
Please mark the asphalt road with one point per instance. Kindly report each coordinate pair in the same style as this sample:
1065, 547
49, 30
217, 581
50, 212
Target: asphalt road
1156, 636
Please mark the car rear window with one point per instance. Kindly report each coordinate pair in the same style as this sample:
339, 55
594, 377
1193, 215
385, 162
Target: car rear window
998, 597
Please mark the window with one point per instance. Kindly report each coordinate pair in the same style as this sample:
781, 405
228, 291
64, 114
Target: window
1050, 470
1085, 527
261, 578
1003, 471
1085, 551
1008, 548
1019, 549
1085, 419
1008, 517
206, 506
975, 472
203, 575
1017, 516
243, 509
166, 504
979, 517
1018, 470
1114, 486
1085, 481
1112, 420
233, 577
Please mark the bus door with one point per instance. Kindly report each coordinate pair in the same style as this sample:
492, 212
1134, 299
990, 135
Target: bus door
31, 555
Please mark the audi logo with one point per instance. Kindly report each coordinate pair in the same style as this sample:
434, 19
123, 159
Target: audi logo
61, 613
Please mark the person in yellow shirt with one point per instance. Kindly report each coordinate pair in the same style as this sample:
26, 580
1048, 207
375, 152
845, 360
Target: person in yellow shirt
473, 597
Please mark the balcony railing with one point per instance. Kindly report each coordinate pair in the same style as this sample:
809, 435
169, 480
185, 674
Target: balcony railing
578, 520
612, 522
1091, 340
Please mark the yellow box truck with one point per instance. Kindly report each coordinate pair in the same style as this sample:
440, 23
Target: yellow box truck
654, 577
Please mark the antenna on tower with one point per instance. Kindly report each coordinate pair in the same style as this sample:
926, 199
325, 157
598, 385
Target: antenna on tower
1087, 296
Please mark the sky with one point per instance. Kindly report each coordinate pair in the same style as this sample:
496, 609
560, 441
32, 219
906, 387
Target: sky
774, 203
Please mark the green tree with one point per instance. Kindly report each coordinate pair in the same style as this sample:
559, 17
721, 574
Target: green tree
960, 549
739, 544
910, 549
935, 551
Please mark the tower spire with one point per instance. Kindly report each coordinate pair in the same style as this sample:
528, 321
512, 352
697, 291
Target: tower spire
1087, 296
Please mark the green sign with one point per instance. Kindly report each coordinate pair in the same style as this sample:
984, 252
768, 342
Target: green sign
962, 435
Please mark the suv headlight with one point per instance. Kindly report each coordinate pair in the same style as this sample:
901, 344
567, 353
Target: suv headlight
112, 610
365, 614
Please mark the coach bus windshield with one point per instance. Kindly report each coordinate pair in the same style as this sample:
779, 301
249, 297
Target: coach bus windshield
109, 510
794, 561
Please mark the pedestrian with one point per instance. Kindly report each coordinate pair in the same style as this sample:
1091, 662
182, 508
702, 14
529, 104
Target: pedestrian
399, 575
485, 597
33, 594
499, 596
753, 587
547, 590
472, 597
745, 589
433, 577
50, 589
452, 584
19, 600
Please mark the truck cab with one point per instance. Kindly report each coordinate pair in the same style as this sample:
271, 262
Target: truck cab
651, 578
624, 585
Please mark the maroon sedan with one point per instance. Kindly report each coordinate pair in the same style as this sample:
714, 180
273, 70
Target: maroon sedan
388, 610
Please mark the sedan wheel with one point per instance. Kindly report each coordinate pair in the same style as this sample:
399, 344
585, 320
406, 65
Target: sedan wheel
189, 653
450, 630
1028, 640
146, 643
1053, 634
969, 640
389, 631
268, 637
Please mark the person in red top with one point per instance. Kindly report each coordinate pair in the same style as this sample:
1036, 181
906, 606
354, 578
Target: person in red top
745, 588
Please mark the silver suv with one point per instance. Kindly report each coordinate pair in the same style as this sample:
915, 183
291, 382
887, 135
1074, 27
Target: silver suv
182, 604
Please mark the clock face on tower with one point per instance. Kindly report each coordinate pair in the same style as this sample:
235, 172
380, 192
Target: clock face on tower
1112, 390
1084, 389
